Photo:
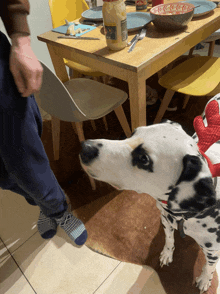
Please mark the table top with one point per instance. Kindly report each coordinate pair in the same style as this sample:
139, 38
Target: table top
156, 46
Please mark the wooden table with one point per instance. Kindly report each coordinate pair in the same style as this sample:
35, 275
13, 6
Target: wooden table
150, 55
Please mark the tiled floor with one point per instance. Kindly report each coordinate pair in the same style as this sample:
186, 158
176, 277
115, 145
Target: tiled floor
29, 264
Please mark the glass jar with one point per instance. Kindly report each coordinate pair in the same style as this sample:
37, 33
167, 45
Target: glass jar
141, 5
115, 23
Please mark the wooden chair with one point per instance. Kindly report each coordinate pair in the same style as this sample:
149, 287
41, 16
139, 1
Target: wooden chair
197, 76
79, 100
71, 10
211, 40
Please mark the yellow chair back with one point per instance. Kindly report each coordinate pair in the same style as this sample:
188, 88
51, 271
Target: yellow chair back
66, 9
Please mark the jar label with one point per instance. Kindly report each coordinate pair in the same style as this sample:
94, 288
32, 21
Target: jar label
111, 31
124, 32
141, 4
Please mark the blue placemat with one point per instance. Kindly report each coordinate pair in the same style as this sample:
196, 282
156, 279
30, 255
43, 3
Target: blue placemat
63, 29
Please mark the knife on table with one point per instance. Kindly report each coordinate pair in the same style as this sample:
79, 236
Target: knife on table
132, 41
79, 38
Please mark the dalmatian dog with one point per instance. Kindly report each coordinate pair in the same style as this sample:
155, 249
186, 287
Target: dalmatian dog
164, 162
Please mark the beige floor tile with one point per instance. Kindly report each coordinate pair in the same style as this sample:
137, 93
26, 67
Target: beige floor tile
59, 267
218, 272
17, 219
12, 280
4, 253
128, 278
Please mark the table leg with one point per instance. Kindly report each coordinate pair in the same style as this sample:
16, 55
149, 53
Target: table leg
55, 125
58, 63
61, 72
137, 96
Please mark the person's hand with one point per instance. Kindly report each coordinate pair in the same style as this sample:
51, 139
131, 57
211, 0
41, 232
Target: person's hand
24, 66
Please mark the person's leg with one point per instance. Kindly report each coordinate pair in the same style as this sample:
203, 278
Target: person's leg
23, 159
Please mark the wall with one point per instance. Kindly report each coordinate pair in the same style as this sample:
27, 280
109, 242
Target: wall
39, 22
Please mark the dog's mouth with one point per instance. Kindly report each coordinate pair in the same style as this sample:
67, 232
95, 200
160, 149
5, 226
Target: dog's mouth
114, 186
93, 175
89, 172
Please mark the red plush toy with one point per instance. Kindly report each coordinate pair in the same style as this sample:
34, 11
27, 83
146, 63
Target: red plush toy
210, 134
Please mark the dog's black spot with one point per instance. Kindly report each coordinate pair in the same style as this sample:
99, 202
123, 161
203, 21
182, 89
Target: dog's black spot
212, 257
212, 230
217, 220
208, 244
218, 234
89, 152
211, 262
141, 159
99, 144
164, 136
194, 136
205, 188
210, 211
203, 198
170, 218
204, 225
172, 194
192, 165
214, 214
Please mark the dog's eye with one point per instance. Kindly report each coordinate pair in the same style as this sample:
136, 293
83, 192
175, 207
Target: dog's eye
144, 159
141, 159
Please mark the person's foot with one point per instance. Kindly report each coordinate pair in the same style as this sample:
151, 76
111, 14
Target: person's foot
47, 227
74, 228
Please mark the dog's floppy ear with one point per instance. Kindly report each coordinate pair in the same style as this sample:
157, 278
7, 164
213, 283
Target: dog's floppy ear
194, 190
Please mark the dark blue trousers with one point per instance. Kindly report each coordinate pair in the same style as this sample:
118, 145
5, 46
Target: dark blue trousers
24, 165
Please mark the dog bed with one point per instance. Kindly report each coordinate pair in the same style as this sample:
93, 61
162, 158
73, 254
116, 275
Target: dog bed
126, 226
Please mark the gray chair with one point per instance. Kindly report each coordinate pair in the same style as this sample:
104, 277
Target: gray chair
79, 100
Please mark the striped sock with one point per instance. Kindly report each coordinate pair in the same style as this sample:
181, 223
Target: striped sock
74, 228
47, 227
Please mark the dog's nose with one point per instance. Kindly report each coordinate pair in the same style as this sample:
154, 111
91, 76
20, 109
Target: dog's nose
89, 152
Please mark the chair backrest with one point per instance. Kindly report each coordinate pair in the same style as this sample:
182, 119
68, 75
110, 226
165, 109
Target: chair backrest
66, 9
55, 99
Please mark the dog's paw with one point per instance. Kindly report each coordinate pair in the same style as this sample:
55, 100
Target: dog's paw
203, 282
166, 256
